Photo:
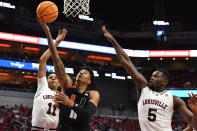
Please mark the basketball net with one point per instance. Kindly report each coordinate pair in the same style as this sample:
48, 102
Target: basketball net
76, 7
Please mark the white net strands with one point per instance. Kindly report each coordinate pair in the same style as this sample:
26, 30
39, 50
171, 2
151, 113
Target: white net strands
76, 7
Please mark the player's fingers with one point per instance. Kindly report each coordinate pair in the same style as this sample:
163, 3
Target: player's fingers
57, 97
57, 92
193, 95
105, 35
104, 28
43, 21
189, 95
58, 102
38, 18
62, 94
64, 31
59, 32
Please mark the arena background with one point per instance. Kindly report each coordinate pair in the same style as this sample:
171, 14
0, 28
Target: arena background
22, 42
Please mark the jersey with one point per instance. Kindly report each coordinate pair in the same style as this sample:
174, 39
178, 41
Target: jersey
44, 113
155, 110
69, 120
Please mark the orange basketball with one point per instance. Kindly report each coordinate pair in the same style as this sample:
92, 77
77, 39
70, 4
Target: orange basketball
48, 11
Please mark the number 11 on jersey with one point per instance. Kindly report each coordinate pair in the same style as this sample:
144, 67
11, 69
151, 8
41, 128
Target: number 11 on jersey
49, 109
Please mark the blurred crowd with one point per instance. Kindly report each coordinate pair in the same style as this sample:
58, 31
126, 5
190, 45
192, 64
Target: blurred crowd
18, 118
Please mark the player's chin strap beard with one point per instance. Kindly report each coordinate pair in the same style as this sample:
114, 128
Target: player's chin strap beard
152, 88
156, 89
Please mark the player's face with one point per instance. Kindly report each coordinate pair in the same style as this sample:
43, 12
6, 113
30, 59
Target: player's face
83, 76
156, 80
53, 81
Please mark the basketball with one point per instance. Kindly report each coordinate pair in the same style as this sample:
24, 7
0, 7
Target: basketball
48, 11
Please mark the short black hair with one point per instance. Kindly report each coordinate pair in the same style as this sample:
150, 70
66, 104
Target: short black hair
165, 72
91, 85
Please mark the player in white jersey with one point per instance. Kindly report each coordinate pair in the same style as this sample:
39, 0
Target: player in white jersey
155, 105
45, 114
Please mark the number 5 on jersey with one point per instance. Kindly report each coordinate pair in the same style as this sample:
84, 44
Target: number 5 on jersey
151, 114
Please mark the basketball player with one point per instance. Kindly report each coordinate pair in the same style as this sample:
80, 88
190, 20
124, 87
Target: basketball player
45, 115
77, 106
155, 105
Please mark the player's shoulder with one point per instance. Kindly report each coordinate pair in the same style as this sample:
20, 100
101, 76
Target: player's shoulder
71, 88
178, 102
42, 85
94, 93
42, 79
176, 98
146, 89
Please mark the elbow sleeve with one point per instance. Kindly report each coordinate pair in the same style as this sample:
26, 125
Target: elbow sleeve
85, 113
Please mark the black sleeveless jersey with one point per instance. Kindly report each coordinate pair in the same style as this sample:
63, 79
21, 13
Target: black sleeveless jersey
69, 120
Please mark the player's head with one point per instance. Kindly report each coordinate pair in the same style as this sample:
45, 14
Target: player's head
53, 82
159, 79
85, 76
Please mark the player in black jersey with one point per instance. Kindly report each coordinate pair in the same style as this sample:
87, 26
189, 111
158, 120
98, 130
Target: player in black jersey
81, 105
77, 106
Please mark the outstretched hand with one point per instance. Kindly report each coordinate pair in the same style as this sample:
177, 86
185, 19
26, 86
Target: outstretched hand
107, 35
62, 98
61, 35
43, 24
192, 102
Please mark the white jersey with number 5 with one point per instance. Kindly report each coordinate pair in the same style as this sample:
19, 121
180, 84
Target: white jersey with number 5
155, 110
44, 114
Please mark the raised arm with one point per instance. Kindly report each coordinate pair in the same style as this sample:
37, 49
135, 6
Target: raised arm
190, 117
44, 58
59, 66
137, 77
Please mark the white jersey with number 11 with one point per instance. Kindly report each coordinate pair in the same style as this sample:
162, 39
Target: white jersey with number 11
45, 114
